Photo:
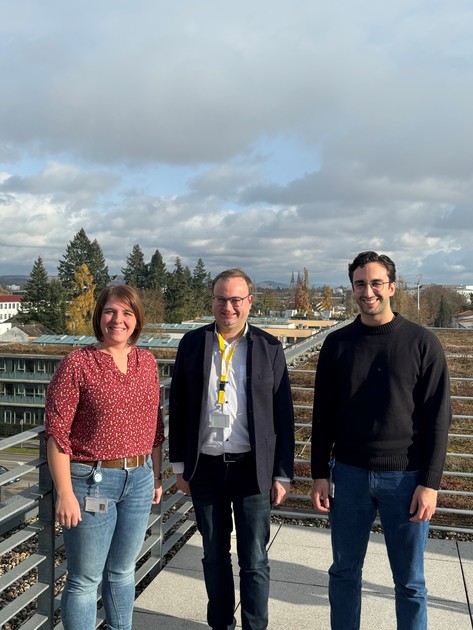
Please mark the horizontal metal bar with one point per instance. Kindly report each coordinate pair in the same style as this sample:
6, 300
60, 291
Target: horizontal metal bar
18, 604
20, 570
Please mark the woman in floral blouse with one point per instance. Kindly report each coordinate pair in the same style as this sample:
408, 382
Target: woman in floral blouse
104, 434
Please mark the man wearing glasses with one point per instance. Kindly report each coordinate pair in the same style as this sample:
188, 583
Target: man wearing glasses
231, 443
380, 428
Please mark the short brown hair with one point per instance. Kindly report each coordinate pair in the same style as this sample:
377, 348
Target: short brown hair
233, 273
126, 295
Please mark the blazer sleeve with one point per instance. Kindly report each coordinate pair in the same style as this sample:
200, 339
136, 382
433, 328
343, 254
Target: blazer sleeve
283, 413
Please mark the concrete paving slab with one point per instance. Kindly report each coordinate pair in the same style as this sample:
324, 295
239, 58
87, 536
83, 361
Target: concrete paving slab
465, 551
301, 555
176, 594
298, 606
299, 558
378, 613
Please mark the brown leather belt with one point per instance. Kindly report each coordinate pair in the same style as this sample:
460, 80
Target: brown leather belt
122, 462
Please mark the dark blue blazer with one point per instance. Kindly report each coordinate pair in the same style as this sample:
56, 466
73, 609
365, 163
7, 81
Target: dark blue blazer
269, 403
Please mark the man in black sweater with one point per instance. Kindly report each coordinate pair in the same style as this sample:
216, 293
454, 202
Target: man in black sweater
380, 429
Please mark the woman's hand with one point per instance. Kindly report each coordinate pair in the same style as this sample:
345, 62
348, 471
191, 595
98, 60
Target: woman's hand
68, 510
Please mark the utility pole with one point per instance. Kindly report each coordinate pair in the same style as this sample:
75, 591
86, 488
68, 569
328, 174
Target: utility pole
419, 278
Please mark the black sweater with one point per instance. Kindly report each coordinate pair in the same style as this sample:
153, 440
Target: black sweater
382, 400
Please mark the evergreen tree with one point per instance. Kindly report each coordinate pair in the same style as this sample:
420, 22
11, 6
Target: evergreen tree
444, 314
201, 290
153, 305
178, 298
35, 303
56, 320
136, 270
81, 251
81, 308
430, 304
157, 274
97, 267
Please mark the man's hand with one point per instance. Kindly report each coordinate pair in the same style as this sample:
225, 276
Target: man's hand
182, 484
319, 495
279, 491
423, 504
158, 490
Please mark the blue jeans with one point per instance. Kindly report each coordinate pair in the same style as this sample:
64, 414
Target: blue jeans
216, 487
104, 546
359, 494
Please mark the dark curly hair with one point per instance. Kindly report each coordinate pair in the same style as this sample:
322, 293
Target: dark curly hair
368, 257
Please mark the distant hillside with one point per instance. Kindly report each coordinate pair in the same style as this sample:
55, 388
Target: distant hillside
13, 279
269, 284
21, 281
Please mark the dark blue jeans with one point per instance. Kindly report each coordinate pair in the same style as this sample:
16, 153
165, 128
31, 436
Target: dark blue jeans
359, 494
216, 488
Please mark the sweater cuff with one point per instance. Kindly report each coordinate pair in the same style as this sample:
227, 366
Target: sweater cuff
431, 479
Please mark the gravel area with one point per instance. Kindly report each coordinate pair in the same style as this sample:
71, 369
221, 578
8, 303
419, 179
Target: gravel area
323, 523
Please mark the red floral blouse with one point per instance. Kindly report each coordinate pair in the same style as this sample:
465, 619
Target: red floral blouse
95, 412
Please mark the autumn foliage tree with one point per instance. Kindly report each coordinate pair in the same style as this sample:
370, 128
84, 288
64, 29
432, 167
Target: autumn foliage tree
81, 308
301, 298
327, 295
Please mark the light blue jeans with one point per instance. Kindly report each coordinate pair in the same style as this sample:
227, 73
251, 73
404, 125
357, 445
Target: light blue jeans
104, 546
359, 494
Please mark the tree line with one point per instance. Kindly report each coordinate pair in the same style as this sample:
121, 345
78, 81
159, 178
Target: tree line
64, 304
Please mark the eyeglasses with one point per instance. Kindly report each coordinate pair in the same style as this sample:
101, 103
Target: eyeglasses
234, 301
376, 285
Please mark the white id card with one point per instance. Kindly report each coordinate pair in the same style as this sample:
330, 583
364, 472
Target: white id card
219, 420
96, 504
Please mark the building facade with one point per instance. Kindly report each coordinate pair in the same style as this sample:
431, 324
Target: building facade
24, 380
9, 306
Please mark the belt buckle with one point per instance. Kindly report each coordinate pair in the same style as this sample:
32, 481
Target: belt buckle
126, 466
230, 460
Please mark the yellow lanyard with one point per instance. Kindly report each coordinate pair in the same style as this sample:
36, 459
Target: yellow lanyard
225, 367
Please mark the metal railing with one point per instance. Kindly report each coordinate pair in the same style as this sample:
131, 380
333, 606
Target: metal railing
303, 447
27, 524
27, 518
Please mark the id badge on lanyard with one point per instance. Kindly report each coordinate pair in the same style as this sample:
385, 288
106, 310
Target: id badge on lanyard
219, 420
96, 503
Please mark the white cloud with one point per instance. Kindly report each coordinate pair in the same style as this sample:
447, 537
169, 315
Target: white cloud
264, 134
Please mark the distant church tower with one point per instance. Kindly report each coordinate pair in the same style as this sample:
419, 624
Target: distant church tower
292, 284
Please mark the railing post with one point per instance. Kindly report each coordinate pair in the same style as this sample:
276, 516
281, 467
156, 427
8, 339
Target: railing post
157, 532
46, 540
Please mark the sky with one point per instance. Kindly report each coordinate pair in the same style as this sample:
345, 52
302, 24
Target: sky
267, 134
